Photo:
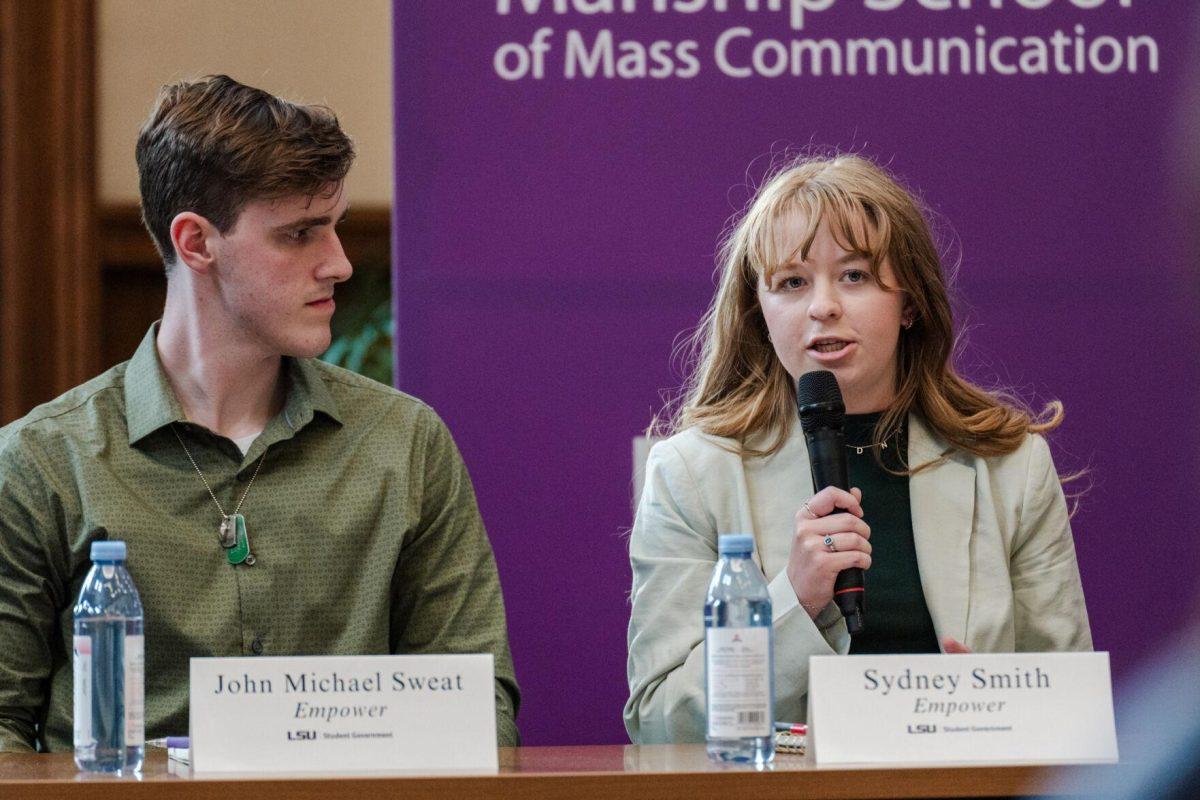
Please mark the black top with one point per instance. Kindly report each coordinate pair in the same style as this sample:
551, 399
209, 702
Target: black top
896, 619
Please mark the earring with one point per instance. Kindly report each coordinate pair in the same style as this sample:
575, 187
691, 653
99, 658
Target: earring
908, 323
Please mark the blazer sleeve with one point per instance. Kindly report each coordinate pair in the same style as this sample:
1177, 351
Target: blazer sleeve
672, 551
1048, 605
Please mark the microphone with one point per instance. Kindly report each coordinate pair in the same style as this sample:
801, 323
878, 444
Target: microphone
822, 416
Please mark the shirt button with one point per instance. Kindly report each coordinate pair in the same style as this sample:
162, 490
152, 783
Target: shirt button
256, 646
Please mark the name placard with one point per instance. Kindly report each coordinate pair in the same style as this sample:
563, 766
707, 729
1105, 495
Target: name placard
429, 713
1011, 708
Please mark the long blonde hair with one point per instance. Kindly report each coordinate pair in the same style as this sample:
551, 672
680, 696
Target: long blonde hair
739, 387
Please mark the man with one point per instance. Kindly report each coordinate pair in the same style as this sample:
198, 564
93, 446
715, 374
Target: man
272, 504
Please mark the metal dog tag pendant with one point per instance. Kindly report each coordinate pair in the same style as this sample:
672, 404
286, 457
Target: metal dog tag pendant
227, 533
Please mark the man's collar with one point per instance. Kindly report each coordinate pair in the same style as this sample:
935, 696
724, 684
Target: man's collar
307, 393
151, 404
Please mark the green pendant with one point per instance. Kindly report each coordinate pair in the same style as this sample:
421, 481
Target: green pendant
240, 552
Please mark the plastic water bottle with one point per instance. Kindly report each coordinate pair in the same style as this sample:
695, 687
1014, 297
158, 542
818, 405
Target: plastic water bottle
109, 666
739, 673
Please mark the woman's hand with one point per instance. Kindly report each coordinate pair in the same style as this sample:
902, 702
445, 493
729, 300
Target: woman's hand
950, 645
813, 565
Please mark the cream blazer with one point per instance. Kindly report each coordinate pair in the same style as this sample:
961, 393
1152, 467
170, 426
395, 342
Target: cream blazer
993, 545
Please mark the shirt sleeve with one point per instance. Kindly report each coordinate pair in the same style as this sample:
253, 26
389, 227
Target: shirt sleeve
28, 598
672, 551
446, 590
1049, 609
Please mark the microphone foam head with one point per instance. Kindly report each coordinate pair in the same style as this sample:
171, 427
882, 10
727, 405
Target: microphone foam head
819, 401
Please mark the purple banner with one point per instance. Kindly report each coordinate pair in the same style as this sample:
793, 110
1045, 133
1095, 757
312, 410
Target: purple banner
564, 170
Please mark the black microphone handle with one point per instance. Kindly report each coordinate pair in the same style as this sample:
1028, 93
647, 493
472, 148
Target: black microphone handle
827, 456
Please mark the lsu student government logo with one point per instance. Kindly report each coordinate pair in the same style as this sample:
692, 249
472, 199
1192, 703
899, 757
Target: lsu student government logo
301, 736
922, 728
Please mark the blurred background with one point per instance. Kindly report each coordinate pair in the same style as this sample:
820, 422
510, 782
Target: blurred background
80, 281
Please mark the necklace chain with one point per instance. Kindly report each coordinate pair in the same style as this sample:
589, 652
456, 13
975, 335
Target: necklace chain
206, 486
882, 444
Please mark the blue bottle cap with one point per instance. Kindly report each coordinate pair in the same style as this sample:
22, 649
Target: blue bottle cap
735, 543
108, 551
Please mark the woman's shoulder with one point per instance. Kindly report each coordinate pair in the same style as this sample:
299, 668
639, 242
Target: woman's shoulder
697, 449
1031, 457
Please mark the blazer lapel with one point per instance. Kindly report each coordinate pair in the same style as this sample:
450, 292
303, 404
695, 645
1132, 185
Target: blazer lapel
942, 498
776, 486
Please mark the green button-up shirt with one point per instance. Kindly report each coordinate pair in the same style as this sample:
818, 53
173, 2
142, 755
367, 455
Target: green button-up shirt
362, 521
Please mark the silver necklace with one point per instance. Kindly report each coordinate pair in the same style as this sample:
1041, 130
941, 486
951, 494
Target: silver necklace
232, 533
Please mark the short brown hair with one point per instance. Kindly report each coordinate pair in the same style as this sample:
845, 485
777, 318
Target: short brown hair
212, 145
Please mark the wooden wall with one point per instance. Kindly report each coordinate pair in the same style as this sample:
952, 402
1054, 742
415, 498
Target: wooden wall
79, 283
49, 274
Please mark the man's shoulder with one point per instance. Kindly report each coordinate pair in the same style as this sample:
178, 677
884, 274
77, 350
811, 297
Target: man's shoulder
72, 415
386, 423
363, 400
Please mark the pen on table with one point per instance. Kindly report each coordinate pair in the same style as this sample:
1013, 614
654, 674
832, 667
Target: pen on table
791, 727
177, 742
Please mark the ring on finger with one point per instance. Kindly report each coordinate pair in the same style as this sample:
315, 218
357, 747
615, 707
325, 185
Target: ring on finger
829, 543
808, 510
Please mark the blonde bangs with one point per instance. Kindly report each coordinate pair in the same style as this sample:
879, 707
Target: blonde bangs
856, 226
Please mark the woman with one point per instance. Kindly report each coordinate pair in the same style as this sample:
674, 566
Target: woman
957, 512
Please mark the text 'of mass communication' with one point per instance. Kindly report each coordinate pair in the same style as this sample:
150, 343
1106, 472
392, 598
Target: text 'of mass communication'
740, 52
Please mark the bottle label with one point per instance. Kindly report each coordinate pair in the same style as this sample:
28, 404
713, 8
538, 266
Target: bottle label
135, 688
739, 682
82, 657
